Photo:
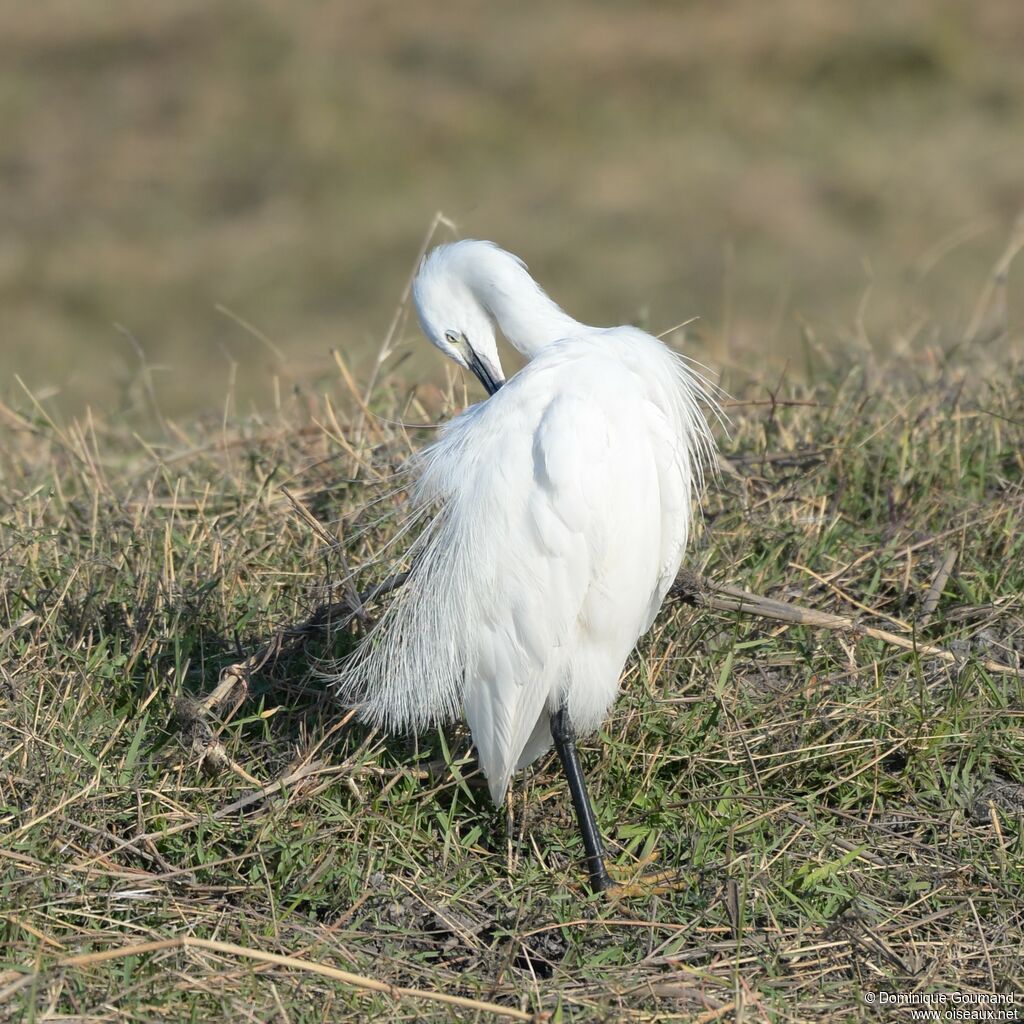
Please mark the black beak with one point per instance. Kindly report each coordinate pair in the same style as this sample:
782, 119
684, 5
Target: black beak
491, 379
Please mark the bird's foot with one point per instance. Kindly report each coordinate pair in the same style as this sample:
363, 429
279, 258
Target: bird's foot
654, 883
639, 863
626, 882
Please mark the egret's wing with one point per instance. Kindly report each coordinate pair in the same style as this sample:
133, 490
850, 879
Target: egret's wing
586, 533
536, 500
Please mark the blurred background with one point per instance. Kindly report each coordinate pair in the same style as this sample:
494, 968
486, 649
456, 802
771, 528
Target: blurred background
225, 192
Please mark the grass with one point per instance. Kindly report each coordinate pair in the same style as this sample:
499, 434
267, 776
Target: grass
848, 817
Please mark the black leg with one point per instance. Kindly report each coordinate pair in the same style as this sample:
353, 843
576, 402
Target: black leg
565, 744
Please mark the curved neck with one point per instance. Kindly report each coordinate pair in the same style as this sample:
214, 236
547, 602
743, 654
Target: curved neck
528, 318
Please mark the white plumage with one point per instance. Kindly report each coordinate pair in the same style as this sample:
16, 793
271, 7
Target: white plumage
563, 507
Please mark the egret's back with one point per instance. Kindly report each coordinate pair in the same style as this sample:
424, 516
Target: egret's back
563, 511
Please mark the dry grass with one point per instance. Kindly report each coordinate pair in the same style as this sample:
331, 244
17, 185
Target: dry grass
849, 816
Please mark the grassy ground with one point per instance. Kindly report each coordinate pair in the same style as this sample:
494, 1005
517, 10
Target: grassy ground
848, 817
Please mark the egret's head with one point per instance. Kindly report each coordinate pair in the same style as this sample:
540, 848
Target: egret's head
452, 317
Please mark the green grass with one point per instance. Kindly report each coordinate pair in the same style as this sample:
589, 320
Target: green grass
848, 817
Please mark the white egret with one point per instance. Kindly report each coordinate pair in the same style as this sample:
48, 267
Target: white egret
564, 507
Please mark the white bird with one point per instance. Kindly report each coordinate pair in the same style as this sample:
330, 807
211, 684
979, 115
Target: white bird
563, 510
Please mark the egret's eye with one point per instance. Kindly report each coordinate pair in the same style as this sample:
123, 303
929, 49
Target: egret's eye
453, 336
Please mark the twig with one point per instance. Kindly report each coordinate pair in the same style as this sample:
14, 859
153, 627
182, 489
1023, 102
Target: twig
294, 963
840, 593
234, 680
931, 599
312, 768
717, 1014
694, 589
385, 347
